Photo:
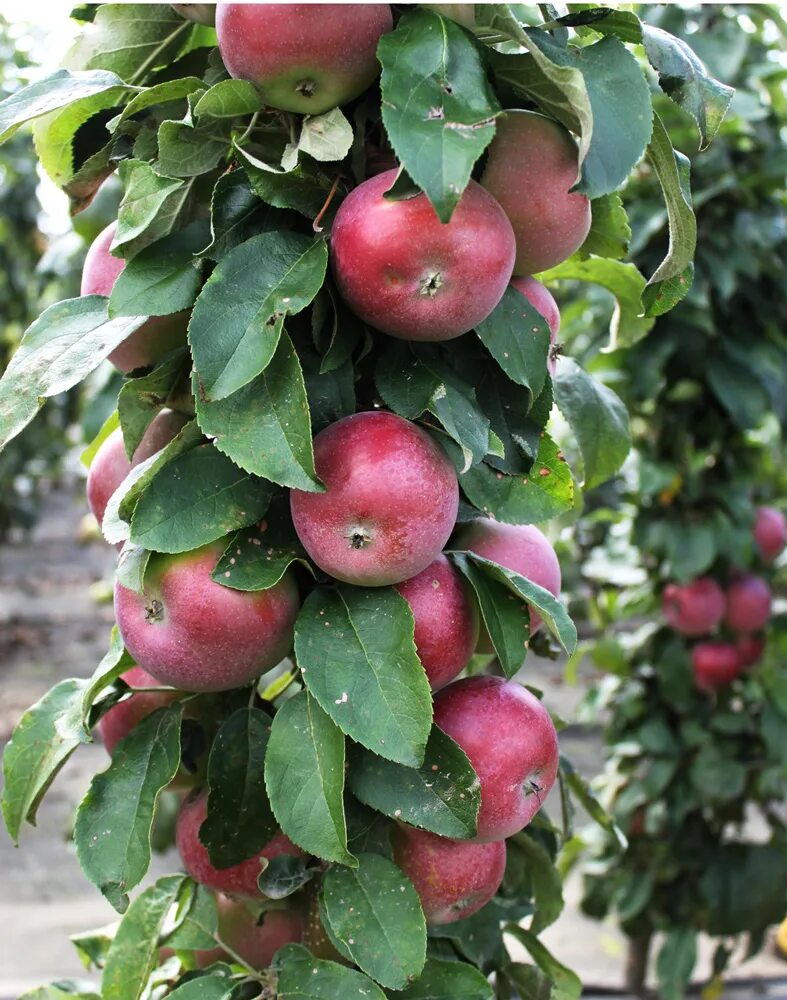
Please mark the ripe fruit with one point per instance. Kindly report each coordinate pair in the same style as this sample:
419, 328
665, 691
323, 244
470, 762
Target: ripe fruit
541, 299
770, 532
750, 649
748, 604
519, 547
195, 634
410, 275
694, 608
237, 880
454, 878
446, 620
152, 340
123, 717
303, 57
110, 466
532, 165
390, 503
715, 664
255, 938
512, 744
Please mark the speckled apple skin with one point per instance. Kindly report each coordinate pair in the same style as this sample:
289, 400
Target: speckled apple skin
770, 532
519, 547
110, 466
154, 339
280, 47
384, 254
237, 880
748, 604
512, 744
196, 635
255, 942
453, 878
542, 300
532, 164
694, 608
446, 620
390, 503
715, 664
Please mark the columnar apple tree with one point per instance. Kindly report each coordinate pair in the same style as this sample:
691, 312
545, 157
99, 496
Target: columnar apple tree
325, 469
696, 634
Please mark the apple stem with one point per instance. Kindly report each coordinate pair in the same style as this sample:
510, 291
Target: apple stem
316, 224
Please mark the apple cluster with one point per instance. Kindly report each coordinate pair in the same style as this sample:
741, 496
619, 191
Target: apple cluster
389, 508
742, 611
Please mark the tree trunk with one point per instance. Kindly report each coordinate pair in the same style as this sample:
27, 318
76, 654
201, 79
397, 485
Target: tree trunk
637, 963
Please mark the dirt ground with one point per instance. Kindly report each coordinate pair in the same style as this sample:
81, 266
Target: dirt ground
53, 625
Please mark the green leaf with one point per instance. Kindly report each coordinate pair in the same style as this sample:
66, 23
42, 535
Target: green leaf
257, 558
186, 149
110, 424
586, 797
134, 951
374, 913
548, 489
517, 337
515, 423
683, 77
331, 394
67, 342
610, 233
506, 617
284, 875
672, 279
239, 821
211, 985
63, 989
443, 795
237, 214
114, 662
356, 650
141, 398
58, 90
549, 608
196, 925
149, 208
305, 978
405, 384
530, 981
448, 980
228, 99
264, 427
239, 315
196, 498
304, 775
130, 39
675, 962
161, 93
303, 188
598, 419
327, 137
626, 284
438, 107
567, 984
43, 740
163, 278
113, 822
739, 390
529, 857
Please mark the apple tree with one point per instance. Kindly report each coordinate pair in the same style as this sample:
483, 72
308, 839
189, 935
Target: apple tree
684, 587
325, 469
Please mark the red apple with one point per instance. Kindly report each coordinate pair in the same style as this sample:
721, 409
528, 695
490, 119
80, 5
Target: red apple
196, 635
693, 608
748, 604
254, 938
110, 466
390, 503
446, 620
531, 167
157, 337
237, 880
453, 878
770, 532
750, 649
304, 57
408, 274
512, 744
541, 299
715, 664
123, 717
519, 547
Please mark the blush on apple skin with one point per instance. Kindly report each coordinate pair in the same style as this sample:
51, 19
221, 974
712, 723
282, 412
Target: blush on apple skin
256, 939
770, 532
715, 664
542, 300
390, 503
748, 604
411, 276
694, 608
511, 742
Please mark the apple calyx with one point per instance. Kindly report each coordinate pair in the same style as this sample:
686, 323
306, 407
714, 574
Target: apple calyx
154, 612
306, 88
431, 283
